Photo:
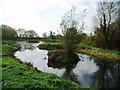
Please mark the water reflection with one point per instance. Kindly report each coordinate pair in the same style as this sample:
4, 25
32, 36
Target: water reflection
85, 69
68, 73
27, 46
88, 72
37, 57
108, 75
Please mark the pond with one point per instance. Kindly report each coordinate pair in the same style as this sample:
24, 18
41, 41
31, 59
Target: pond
88, 72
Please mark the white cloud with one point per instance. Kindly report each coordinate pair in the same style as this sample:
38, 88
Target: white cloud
39, 15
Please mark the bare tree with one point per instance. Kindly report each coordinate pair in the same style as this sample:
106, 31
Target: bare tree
73, 19
52, 35
44, 35
71, 25
107, 14
20, 32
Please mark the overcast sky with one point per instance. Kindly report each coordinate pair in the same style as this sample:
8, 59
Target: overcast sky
43, 15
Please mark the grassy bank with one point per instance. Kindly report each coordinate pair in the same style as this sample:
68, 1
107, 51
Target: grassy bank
98, 52
8, 49
51, 46
16, 75
86, 49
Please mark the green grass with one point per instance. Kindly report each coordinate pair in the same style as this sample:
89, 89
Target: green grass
51, 52
50, 40
98, 52
51, 45
16, 75
54, 42
83, 46
7, 49
87, 49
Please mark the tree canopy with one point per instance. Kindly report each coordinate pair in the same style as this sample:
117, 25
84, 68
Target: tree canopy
71, 26
107, 31
27, 34
8, 32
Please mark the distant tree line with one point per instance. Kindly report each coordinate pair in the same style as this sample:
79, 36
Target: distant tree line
22, 33
106, 33
11, 33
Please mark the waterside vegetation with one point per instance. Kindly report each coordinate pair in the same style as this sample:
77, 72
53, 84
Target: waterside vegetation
24, 76
21, 76
103, 43
85, 49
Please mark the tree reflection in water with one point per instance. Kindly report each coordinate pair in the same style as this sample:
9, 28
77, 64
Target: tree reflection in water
69, 74
107, 76
26, 46
89, 72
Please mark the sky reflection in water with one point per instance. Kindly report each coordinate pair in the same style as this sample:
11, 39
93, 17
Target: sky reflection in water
89, 71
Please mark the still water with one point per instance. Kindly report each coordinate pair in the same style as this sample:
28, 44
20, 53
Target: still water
88, 72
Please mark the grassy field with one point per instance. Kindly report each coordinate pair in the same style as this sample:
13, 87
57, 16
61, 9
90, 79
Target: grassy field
16, 75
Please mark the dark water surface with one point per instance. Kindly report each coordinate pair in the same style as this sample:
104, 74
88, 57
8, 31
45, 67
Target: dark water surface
88, 72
